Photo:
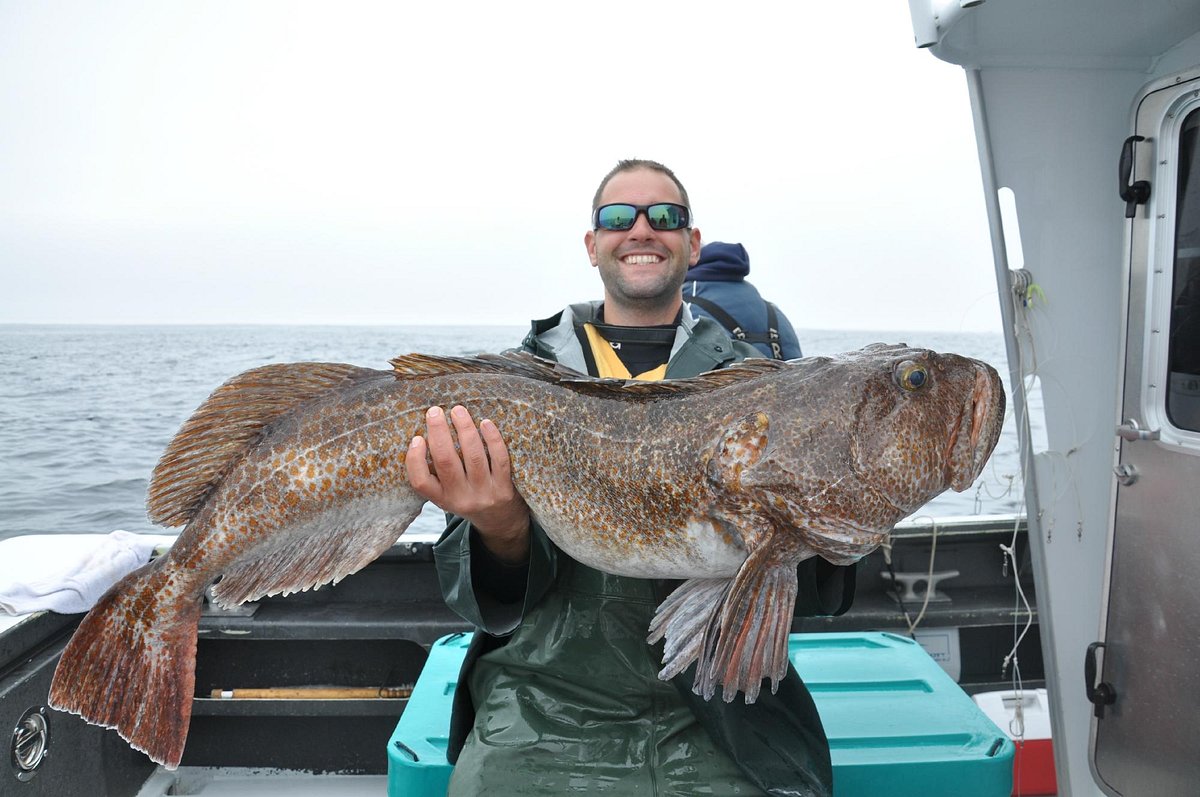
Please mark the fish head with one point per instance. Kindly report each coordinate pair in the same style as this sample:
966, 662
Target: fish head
839, 449
924, 422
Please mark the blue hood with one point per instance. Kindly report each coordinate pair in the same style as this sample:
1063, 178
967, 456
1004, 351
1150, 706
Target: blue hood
721, 262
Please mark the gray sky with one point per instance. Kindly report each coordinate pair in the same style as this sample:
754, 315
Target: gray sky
414, 163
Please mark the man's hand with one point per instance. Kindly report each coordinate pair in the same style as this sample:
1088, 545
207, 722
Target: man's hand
476, 485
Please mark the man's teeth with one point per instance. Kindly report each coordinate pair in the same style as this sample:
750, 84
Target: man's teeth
642, 260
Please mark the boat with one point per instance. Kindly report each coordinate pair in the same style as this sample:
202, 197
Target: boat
369, 637
1096, 279
1088, 595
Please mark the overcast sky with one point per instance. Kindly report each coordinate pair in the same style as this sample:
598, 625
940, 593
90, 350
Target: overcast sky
414, 163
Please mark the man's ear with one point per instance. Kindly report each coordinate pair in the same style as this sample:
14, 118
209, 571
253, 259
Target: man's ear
697, 242
589, 240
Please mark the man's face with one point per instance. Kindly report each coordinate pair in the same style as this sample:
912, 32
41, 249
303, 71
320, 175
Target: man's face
642, 268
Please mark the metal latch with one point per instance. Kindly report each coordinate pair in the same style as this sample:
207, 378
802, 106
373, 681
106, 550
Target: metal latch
1126, 474
1137, 193
1100, 694
30, 742
1130, 430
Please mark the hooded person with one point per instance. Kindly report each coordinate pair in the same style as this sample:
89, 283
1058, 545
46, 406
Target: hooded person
716, 288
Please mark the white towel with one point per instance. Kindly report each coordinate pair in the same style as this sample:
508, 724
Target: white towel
79, 578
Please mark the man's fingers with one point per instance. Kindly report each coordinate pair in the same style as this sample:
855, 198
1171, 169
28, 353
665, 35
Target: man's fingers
442, 451
474, 457
497, 451
419, 475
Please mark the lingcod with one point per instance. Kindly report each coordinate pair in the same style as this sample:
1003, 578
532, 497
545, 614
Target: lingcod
292, 476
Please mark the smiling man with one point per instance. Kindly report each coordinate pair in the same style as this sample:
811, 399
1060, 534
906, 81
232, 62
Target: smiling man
559, 691
639, 247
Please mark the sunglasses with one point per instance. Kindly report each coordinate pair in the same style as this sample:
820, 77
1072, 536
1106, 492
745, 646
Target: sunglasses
620, 217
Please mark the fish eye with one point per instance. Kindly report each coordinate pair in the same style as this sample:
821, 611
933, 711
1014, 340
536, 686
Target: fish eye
911, 376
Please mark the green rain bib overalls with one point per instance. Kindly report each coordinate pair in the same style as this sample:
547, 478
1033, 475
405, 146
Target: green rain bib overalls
559, 692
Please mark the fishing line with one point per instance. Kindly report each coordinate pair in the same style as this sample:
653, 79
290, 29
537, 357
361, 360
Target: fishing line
1027, 313
896, 587
933, 527
1029, 301
899, 594
1024, 299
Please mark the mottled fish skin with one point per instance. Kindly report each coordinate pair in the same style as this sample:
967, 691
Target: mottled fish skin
293, 476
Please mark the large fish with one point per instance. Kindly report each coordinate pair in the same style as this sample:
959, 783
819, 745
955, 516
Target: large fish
293, 476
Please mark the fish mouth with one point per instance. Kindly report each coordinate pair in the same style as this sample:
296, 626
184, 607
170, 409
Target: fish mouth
982, 414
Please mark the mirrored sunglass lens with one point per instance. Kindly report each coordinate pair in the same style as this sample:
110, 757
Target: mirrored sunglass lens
616, 217
665, 217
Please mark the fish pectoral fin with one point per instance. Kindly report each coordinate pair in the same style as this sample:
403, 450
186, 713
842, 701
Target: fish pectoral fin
840, 561
684, 619
747, 640
841, 543
740, 447
309, 559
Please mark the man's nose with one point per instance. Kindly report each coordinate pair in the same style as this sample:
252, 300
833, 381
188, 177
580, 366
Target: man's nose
641, 226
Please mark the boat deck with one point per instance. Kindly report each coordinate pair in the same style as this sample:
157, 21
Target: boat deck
238, 782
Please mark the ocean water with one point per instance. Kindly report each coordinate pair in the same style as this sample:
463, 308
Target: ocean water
85, 411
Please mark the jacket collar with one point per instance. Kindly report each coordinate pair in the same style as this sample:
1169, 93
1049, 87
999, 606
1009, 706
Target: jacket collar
700, 344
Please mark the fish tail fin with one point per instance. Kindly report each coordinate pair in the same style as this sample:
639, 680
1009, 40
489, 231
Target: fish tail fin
131, 663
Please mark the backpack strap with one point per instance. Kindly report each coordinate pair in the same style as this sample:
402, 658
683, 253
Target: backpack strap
717, 312
771, 337
773, 331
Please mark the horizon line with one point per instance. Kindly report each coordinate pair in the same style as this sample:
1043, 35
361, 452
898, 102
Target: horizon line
412, 325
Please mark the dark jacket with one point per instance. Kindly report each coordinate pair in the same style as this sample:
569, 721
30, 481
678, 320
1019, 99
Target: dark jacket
716, 288
778, 741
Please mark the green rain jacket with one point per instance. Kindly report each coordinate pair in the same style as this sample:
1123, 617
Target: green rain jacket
559, 690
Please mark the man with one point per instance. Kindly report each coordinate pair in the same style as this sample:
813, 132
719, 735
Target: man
717, 287
559, 691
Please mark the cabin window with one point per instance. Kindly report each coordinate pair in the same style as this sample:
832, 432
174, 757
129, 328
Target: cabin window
1183, 395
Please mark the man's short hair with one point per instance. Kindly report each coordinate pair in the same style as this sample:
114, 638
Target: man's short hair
637, 163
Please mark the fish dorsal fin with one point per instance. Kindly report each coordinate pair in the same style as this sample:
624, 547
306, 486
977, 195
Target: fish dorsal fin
632, 390
227, 424
519, 363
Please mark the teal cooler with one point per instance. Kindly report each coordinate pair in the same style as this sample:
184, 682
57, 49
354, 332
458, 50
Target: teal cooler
897, 723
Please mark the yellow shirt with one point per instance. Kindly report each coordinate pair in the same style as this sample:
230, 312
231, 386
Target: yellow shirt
608, 364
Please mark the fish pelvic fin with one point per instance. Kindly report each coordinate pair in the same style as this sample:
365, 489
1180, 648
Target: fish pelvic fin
131, 664
228, 424
736, 629
684, 619
325, 553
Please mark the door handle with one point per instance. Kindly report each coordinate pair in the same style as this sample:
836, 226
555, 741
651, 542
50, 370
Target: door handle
1136, 193
1130, 430
1099, 694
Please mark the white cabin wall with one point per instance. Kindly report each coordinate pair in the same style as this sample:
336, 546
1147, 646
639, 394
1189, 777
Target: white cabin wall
1184, 55
1055, 137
